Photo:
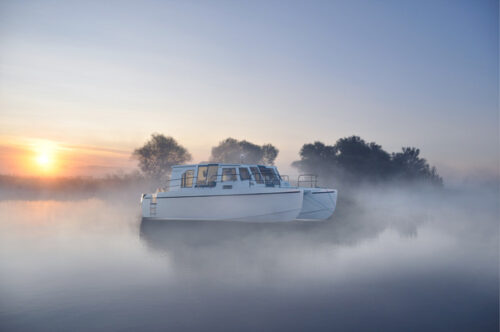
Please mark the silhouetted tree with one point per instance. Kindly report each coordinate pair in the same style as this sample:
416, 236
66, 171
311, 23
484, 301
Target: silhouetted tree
409, 166
270, 152
157, 156
231, 150
352, 159
317, 158
361, 159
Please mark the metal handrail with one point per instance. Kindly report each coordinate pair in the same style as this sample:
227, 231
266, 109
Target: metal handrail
283, 176
304, 180
312, 180
214, 179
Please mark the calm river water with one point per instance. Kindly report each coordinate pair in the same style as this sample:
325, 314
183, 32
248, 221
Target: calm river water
387, 260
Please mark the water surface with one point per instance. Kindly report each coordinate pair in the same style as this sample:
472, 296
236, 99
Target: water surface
387, 260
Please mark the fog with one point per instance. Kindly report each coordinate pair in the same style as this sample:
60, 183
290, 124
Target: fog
390, 258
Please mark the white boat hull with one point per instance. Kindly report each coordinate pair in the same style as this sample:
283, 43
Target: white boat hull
318, 204
281, 204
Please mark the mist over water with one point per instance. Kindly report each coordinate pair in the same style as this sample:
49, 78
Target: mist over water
390, 258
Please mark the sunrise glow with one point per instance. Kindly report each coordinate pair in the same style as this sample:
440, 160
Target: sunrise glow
34, 156
44, 157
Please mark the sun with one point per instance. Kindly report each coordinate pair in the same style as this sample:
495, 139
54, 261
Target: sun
43, 159
44, 156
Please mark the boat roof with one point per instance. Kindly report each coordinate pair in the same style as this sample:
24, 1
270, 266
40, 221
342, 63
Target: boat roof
220, 164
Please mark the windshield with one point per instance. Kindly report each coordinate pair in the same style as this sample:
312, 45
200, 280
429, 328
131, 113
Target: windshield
256, 174
269, 176
244, 174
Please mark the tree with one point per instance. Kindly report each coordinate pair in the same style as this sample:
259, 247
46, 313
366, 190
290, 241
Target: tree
269, 154
352, 160
157, 156
231, 150
317, 158
409, 166
363, 160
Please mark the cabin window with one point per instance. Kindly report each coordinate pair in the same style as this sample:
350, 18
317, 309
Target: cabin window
187, 179
244, 174
269, 176
207, 176
228, 174
256, 174
201, 179
277, 173
212, 175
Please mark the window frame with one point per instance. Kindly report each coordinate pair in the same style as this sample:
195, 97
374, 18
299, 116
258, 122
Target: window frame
233, 175
200, 176
210, 177
187, 179
269, 176
256, 174
249, 174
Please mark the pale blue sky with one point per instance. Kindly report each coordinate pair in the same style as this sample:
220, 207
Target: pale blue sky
109, 73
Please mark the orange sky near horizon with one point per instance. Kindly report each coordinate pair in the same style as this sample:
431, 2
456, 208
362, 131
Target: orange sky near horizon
40, 157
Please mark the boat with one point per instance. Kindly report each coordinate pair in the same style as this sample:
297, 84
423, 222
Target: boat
237, 192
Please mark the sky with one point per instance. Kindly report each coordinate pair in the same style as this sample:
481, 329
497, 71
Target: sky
89, 81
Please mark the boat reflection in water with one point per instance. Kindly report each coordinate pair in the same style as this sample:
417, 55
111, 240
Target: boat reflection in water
219, 245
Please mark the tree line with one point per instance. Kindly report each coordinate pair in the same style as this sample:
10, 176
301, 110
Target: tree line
350, 159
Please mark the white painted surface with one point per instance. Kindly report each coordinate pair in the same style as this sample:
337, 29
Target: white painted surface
237, 200
274, 204
318, 204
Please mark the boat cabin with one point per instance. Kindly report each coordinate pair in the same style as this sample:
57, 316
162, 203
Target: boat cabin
224, 176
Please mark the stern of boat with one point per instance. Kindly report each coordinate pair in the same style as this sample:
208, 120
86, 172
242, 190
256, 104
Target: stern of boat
318, 204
